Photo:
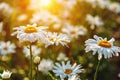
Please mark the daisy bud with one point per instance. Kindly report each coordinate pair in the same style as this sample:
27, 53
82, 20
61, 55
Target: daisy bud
37, 60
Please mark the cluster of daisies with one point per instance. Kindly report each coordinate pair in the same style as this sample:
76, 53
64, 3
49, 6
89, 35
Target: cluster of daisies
30, 34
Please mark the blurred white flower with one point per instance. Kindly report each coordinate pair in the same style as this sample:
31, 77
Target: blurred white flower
45, 65
119, 75
7, 48
39, 4
114, 7
57, 26
103, 3
102, 46
100, 3
6, 74
30, 33
1, 26
74, 31
74, 77
56, 39
35, 51
5, 9
22, 17
44, 17
66, 70
94, 21
67, 3
61, 57
65, 13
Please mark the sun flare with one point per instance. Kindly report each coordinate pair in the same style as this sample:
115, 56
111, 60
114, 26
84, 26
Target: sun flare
45, 2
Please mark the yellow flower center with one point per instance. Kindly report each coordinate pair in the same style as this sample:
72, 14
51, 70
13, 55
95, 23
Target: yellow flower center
115, 8
30, 29
53, 39
68, 71
73, 32
104, 43
5, 48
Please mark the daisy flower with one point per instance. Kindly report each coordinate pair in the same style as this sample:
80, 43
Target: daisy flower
5, 9
66, 70
7, 47
102, 46
67, 3
44, 17
6, 74
30, 33
56, 39
94, 21
74, 31
45, 65
35, 51
100, 3
114, 7
22, 17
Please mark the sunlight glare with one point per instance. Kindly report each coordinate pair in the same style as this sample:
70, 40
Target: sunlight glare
45, 2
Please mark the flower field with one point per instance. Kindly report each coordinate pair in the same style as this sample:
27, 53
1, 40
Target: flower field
59, 39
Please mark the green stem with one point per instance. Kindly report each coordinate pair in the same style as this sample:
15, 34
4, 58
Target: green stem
95, 75
31, 62
37, 72
51, 76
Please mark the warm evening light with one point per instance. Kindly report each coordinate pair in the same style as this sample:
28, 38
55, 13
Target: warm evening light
45, 2
59, 39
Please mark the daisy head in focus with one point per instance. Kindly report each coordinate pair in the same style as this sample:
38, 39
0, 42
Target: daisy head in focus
66, 70
56, 39
102, 46
35, 51
94, 21
30, 33
74, 31
45, 65
7, 48
6, 74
